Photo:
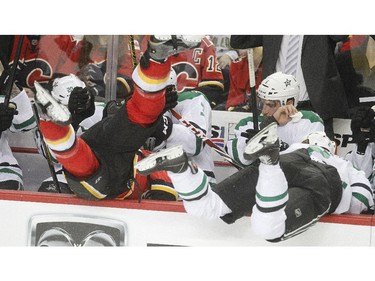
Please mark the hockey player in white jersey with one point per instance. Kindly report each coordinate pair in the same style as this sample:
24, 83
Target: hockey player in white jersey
285, 195
17, 117
278, 98
194, 106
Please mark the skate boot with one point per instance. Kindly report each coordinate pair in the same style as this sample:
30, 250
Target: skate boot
264, 145
172, 159
49, 109
162, 46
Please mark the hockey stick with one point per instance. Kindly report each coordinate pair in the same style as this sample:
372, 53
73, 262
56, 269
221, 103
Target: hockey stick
205, 139
8, 81
132, 51
46, 149
12, 76
253, 98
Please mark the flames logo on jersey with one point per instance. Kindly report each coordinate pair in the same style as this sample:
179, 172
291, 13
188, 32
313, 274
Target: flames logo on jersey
187, 76
33, 70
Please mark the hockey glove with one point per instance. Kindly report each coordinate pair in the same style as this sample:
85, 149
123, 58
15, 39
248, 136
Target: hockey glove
6, 115
162, 132
171, 97
93, 77
268, 120
111, 108
81, 104
363, 127
249, 133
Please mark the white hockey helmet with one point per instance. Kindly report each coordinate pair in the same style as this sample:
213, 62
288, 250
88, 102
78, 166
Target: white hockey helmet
320, 139
62, 87
172, 77
280, 87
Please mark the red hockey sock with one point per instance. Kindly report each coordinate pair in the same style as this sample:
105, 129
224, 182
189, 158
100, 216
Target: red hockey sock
52, 131
72, 152
148, 99
145, 108
80, 161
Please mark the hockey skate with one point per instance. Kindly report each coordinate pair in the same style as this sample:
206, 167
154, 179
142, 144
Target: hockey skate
264, 145
172, 159
162, 46
49, 109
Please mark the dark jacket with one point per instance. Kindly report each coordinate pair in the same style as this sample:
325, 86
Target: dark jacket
322, 79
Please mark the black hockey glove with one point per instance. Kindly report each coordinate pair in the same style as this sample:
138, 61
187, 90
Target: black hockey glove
171, 97
268, 120
249, 133
6, 115
162, 131
363, 127
111, 108
81, 104
94, 78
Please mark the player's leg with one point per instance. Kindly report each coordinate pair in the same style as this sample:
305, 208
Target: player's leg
151, 76
268, 217
190, 182
71, 151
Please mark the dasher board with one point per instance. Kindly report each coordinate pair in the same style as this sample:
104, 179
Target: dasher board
43, 219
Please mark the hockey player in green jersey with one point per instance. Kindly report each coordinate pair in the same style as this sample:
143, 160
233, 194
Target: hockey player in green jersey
285, 194
278, 98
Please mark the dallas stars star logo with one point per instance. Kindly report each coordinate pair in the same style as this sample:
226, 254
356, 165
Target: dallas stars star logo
288, 82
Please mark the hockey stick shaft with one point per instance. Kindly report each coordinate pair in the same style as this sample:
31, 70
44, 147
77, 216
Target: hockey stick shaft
12, 75
252, 82
132, 51
46, 149
205, 139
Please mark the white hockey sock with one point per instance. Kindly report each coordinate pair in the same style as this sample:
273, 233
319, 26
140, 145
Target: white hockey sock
188, 185
268, 217
272, 188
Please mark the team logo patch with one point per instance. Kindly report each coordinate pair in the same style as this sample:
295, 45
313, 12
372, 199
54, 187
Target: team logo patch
297, 212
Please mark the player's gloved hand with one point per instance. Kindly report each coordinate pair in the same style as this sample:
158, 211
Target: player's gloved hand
162, 132
249, 133
363, 127
94, 78
171, 97
81, 104
111, 108
361, 119
6, 115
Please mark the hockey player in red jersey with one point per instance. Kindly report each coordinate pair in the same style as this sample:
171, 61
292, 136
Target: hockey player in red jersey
44, 56
100, 164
